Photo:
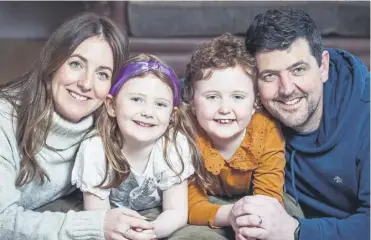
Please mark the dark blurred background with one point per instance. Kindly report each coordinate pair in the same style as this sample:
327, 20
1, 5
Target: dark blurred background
171, 30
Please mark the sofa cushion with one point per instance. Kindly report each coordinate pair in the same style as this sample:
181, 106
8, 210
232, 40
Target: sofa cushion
205, 18
35, 20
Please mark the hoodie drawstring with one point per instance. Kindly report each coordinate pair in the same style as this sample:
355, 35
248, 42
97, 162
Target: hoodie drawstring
292, 165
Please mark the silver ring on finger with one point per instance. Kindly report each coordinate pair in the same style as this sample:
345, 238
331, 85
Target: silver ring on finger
260, 221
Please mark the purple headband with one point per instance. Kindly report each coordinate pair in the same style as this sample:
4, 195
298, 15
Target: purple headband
134, 69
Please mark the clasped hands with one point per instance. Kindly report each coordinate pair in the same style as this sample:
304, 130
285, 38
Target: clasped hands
261, 217
126, 224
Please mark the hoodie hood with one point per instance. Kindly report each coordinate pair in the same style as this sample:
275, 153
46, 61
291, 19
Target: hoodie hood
342, 92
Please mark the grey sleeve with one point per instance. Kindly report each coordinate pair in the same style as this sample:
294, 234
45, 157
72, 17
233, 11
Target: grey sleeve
19, 223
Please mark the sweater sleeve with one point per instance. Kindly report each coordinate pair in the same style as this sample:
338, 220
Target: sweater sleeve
268, 177
17, 223
357, 225
201, 211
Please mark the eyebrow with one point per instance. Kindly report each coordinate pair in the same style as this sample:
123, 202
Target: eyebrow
210, 91
217, 92
165, 100
240, 92
301, 62
86, 60
143, 95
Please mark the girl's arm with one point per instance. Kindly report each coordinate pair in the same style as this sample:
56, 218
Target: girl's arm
203, 212
268, 178
222, 216
175, 210
88, 172
92, 202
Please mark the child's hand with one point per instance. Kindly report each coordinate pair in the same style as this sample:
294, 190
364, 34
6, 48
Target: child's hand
149, 232
121, 222
240, 237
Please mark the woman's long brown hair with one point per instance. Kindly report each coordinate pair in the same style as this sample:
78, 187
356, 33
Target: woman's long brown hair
30, 94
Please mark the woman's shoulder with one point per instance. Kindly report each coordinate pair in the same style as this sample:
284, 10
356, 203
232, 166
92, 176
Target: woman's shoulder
7, 110
8, 116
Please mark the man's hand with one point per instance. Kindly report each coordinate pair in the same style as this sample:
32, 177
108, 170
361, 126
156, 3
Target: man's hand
264, 218
232, 221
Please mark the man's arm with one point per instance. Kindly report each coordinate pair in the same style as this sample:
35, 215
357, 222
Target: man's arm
277, 224
356, 226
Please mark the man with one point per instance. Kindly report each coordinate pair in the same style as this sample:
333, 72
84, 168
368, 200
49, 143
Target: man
322, 99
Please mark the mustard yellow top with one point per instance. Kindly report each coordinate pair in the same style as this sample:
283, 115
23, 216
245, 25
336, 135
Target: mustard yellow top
258, 163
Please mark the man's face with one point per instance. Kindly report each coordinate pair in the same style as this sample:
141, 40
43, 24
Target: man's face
290, 85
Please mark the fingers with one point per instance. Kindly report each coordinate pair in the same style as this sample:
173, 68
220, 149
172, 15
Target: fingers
248, 221
144, 230
149, 231
240, 237
252, 205
245, 209
131, 213
131, 234
137, 223
259, 200
253, 232
116, 236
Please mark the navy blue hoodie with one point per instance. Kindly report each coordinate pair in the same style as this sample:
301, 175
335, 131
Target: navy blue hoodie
328, 170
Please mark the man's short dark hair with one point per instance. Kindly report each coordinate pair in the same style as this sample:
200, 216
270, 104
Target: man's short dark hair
277, 29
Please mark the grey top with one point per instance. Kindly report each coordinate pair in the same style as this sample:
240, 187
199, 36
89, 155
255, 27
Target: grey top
17, 220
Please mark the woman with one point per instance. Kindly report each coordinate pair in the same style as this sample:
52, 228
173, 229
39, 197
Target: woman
44, 115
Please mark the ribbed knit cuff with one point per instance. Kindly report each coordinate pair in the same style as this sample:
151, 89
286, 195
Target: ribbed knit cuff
85, 225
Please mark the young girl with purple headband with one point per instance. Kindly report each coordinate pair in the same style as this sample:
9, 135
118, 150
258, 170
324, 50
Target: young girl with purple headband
146, 141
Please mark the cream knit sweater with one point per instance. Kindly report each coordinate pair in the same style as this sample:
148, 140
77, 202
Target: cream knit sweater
17, 220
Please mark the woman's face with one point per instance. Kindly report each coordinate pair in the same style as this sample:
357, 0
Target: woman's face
81, 84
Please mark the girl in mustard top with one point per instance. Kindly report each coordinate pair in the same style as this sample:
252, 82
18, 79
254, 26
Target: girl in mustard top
242, 146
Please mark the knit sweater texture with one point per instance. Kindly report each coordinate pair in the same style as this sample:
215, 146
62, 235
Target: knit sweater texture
17, 218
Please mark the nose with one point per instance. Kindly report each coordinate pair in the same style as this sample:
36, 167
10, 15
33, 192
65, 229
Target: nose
224, 107
147, 111
287, 85
85, 83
